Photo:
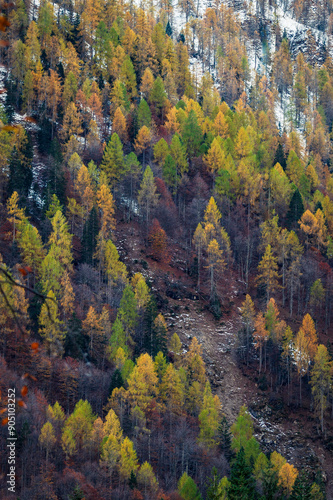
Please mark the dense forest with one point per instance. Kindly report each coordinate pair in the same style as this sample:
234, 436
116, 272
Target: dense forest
150, 154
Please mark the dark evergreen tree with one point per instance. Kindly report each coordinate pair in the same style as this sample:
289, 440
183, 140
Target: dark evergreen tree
60, 71
44, 136
225, 438
56, 182
11, 100
242, 483
116, 381
213, 484
318, 206
100, 82
76, 343
296, 210
280, 157
20, 171
132, 482
160, 339
270, 482
77, 494
168, 29
89, 238
302, 488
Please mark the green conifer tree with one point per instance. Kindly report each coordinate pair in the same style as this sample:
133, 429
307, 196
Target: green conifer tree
113, 162
242, 484
192, 135
143, 115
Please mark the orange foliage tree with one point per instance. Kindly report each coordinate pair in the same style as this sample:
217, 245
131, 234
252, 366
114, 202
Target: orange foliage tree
158, 242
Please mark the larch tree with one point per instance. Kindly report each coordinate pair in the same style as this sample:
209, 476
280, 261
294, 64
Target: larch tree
88, 24
317, 295
115, 270
78, 427
113, 162
72, 123
260, 336
301, 356
128, 78
68, 297
159, 243
142, 383
287, 477
16, 214
215, 264
47, 438
309, 225
187, 488
321, 381
142, 141
146, 479
178, 153
287, 346
310, 333
208, 419
221, 125
127, 314
171, 122
147, 196
175, 347
172, 390
147, 83
70, 90
199, 240
194, 364
243, 144
50, 327
141, 291
59, 258
128, 461
215, 157
32, 250
92, 328
111, 445
268, 272
119, 125
161, 150
248, 315
106, 206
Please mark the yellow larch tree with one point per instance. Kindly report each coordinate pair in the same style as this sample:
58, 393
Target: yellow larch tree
119, 125
287, 477
268, 272
260, 336
221, 127
107, 209
215, 157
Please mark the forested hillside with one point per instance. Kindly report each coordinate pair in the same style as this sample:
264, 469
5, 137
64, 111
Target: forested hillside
166, 249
